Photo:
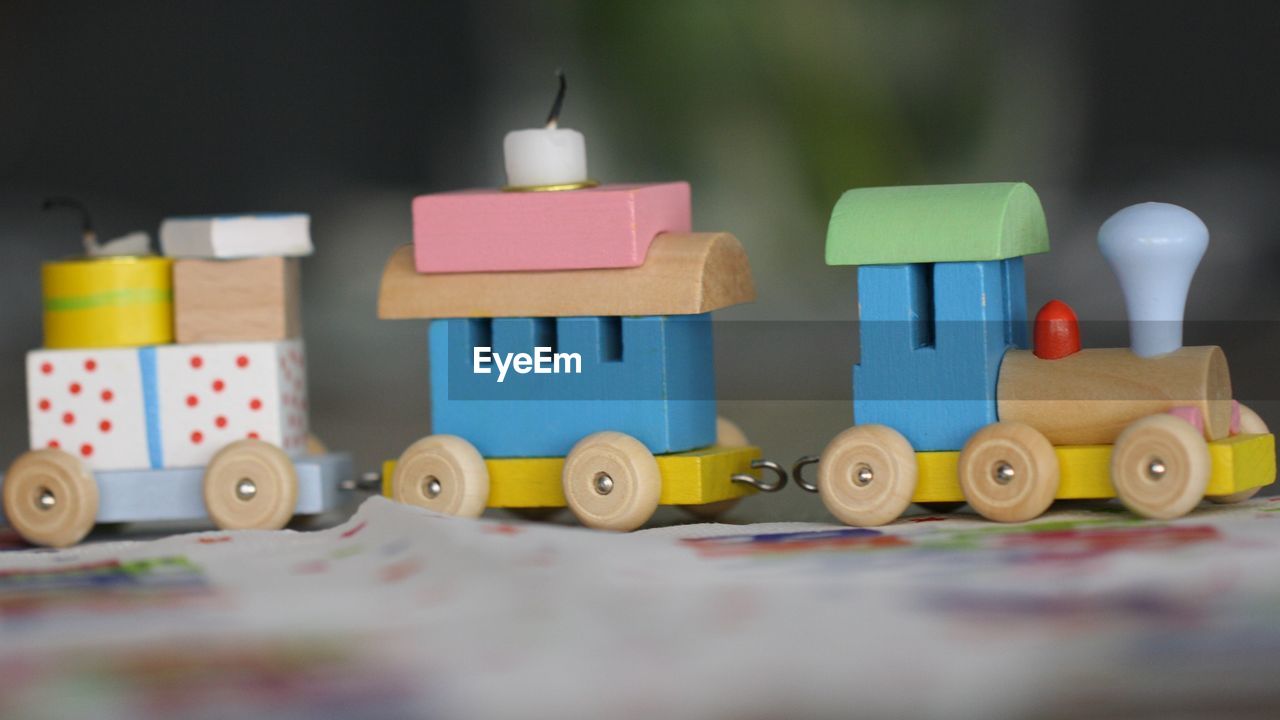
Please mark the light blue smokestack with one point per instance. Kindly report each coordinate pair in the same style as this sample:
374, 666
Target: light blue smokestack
1154, 249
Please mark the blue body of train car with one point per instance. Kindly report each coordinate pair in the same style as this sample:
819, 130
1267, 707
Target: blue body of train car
932, 336
649, 377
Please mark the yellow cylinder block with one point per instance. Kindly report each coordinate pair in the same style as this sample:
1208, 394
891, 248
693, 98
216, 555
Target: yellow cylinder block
108, 302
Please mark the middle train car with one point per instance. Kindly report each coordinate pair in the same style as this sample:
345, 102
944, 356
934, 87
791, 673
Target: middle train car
571, 354
951, 404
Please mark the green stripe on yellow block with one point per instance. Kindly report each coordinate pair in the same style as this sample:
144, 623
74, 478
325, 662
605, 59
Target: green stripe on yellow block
113, 298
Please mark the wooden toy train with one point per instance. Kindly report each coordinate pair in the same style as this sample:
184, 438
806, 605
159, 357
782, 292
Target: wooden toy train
571, 365
950, 404
127, 425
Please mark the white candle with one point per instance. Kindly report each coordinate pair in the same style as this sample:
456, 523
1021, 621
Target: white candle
545, 156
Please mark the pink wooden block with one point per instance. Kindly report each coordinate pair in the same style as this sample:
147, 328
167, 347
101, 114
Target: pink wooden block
490, 230
1235, 417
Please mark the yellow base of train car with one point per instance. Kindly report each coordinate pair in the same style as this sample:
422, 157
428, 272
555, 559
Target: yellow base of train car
1240, 462
696, 477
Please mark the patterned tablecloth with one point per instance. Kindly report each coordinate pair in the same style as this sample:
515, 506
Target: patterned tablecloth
1085, 612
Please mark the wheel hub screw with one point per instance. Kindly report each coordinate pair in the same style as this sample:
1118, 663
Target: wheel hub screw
46, 500
431, 487
246, 489
1003, 473
1156, 469
603, 483
863, 475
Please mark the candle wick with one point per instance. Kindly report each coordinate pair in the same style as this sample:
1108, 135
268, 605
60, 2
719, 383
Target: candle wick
87, 233
553, 118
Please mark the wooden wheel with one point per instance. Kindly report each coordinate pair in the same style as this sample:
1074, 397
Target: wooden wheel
250, 485
728, 434
50, 498
1160, 467
1008, 472
443, 473
611, 481
867, 475
1251, 423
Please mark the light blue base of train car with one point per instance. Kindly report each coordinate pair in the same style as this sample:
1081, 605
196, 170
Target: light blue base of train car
177, 494
649, 377
932, 339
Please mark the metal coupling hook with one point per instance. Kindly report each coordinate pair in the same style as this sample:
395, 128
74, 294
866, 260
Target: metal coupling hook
768, 487
797, 473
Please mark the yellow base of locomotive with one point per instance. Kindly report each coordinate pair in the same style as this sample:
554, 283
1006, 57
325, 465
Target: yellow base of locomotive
1240, 463
696, 477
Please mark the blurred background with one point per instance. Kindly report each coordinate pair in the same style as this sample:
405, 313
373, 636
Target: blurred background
769, 109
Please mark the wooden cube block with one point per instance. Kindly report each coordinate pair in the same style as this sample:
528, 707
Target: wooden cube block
92, 404
210, 395
236, 300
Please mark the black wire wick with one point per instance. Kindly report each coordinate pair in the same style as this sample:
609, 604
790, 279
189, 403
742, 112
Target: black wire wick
553, 118
86, 220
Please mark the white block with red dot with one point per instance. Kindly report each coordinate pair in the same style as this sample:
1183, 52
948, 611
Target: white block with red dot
212, 394
91, 404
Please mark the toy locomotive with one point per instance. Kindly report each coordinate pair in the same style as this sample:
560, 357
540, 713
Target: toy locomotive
952, 405
172, 387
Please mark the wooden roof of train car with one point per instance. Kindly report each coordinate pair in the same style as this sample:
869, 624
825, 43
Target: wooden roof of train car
936, 223
683, 274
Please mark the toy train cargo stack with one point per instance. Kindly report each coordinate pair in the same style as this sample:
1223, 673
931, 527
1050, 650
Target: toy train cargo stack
172, 387
951, 404
604, 295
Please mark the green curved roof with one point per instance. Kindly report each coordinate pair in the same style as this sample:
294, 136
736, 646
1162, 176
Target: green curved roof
936, 223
